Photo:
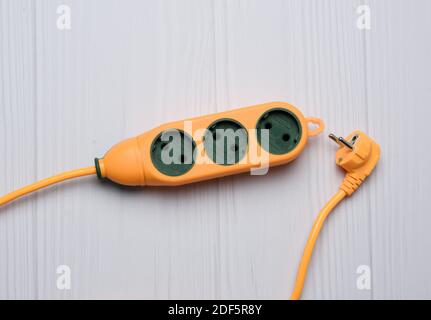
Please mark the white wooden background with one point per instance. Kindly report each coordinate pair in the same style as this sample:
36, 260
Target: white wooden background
127, 66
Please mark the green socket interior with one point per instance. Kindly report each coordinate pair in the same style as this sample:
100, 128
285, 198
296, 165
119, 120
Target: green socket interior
172, 152
284, 131
226, 142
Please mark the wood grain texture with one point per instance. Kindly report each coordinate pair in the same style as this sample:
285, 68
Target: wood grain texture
127, 66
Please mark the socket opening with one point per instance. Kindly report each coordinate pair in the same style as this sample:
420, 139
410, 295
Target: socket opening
173, 152
226, 142
284, 131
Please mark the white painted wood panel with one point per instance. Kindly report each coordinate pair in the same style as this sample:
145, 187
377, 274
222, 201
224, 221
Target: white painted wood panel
127, 66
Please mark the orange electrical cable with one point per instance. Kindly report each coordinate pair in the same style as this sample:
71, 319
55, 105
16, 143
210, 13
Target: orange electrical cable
308, 251
46, 182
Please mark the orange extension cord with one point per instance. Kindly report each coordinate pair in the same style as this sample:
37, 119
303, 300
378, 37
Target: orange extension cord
308, 251
305, 261
46, 182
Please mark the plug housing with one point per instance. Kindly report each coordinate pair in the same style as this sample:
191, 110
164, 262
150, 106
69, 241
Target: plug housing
358, 156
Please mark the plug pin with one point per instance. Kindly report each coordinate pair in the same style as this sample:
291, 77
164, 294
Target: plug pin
341, 140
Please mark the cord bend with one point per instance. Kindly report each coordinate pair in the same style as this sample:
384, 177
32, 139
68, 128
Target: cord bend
312, 238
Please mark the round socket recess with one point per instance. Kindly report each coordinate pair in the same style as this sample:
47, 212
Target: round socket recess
226, 142
172, 152
284, 131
